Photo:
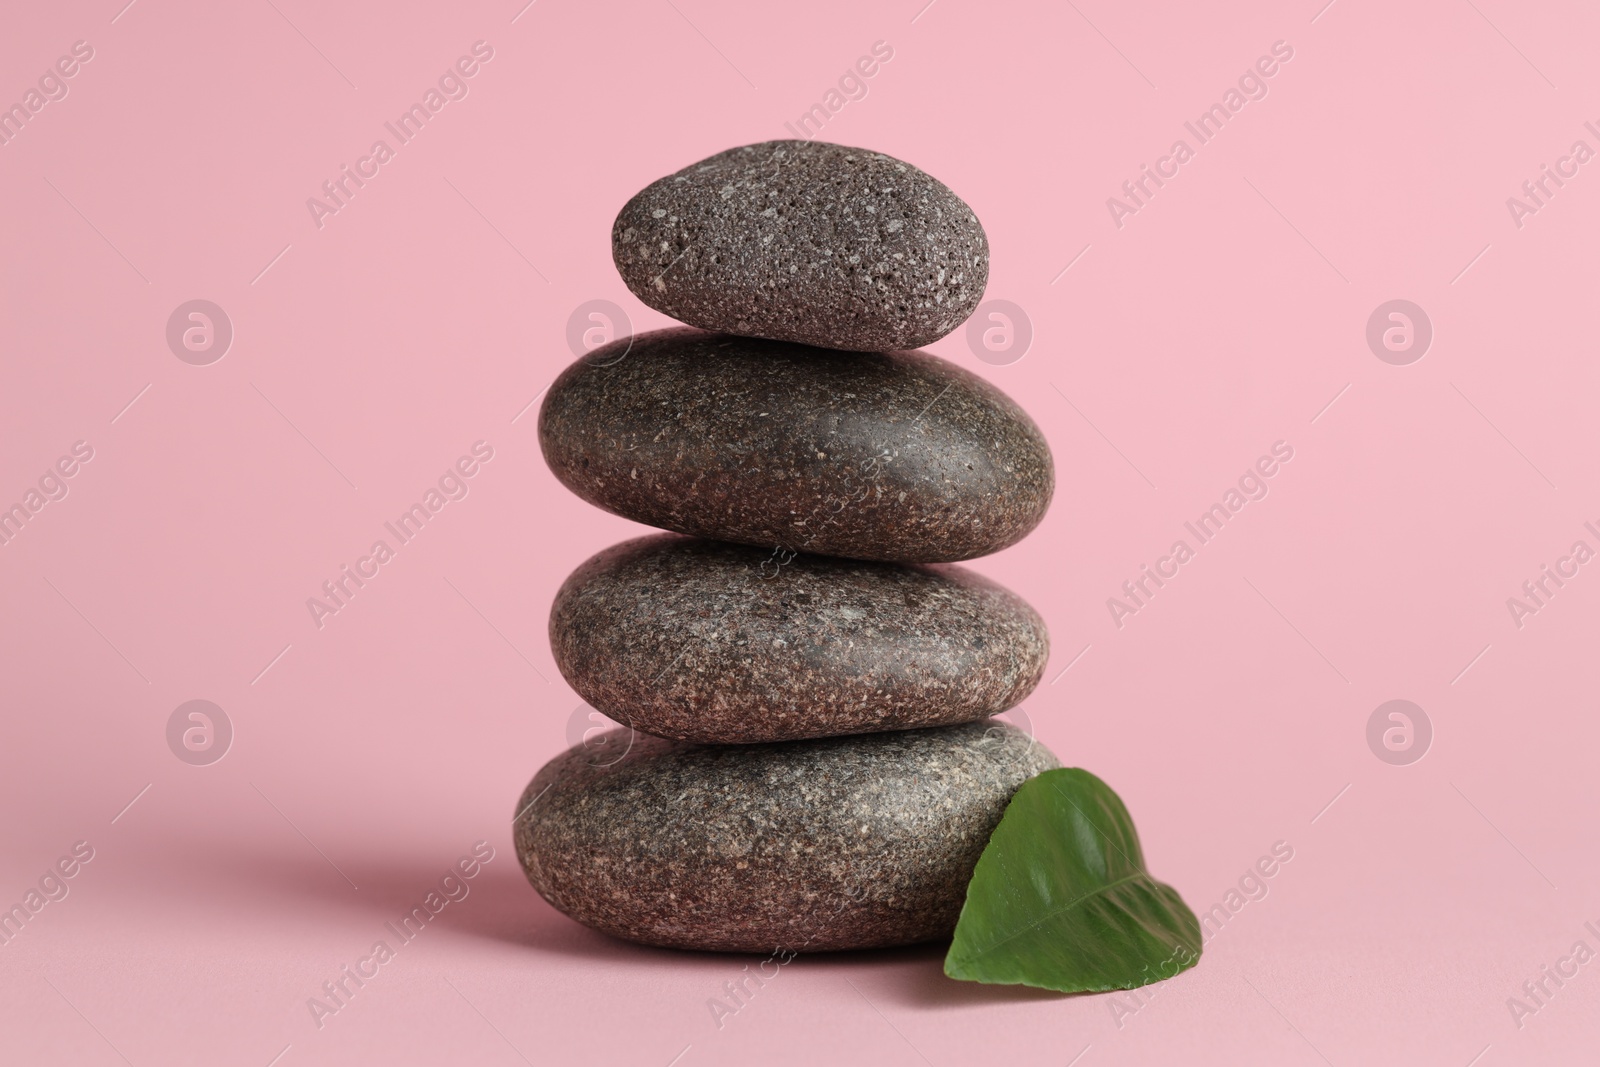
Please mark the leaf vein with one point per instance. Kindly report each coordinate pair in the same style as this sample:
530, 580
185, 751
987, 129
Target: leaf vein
1052, 913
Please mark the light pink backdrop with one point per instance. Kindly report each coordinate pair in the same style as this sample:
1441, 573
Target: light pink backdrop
370, 353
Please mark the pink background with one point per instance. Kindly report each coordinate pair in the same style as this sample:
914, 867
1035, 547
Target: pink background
424, 316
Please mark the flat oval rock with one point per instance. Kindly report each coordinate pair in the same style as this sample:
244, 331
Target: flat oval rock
718, 643
805, 241
895, 456
806, 846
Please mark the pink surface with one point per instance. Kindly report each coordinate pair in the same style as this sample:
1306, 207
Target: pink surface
1227, 313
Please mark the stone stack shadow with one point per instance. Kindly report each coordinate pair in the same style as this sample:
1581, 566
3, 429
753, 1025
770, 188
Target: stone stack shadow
805, 676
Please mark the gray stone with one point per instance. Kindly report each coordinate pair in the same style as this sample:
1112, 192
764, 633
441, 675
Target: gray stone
805, 846
897, 456
717, 643
805, 241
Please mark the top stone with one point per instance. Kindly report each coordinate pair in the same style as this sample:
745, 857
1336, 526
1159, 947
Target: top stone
805, 241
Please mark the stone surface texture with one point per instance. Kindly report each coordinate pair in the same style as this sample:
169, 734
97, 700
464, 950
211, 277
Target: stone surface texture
842, 843
718, 643
895, 456
805, 241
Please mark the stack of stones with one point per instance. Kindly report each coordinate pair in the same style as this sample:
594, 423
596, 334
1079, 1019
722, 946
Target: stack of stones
805, 681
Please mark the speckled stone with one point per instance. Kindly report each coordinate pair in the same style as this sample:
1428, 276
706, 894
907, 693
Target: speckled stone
717, 643
805, 241
896, 456
846, 842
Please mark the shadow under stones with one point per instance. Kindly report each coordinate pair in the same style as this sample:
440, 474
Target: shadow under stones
913, 977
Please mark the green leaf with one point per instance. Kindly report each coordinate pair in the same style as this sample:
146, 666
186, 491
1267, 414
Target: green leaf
1061, 899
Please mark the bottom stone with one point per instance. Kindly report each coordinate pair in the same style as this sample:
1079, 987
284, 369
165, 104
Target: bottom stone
806, 846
